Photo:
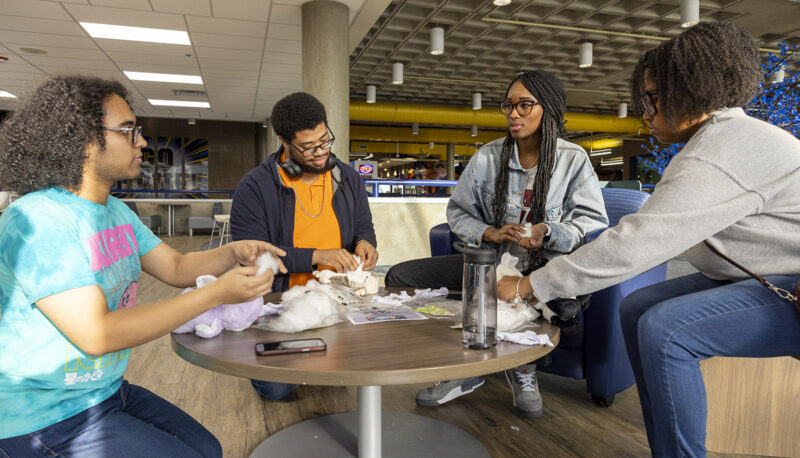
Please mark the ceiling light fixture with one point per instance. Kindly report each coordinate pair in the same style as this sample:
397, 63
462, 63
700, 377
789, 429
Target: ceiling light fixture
178, 103
622, 110
585, 55
501, 2
122, 32
414, 128
163, 77
371, 92
474, 131
600, 152
397, 73
437, 41
690, 13
476, 100
7, 95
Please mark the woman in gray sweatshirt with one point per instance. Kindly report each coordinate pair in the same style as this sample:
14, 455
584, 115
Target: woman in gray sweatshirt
736, 186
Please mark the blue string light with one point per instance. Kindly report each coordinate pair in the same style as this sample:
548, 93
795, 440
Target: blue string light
776, 103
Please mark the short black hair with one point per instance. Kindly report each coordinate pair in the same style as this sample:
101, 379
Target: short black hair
295, 112
710, 66
43, 143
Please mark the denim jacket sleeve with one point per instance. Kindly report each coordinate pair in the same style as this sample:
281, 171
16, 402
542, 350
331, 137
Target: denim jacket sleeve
583, 210
464, 213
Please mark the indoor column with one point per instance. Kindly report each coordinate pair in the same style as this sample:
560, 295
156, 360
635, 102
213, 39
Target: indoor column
326, 66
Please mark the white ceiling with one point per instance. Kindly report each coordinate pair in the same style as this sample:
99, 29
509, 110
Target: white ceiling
247, 51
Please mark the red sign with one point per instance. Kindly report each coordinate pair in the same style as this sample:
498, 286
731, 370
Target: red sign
366, 169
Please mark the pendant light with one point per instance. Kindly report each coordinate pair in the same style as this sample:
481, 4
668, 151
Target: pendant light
371, 92
585, 55
437, 41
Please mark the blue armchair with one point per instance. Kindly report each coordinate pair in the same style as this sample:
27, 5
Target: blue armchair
597, 351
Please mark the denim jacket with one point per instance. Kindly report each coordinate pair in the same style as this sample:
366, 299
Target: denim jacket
574, 205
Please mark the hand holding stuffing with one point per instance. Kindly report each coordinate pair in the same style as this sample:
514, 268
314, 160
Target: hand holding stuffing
511, 232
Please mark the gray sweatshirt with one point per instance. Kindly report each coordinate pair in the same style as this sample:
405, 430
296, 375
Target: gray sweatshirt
736, 183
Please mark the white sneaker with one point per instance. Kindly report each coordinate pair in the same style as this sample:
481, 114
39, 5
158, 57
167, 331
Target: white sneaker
446, 391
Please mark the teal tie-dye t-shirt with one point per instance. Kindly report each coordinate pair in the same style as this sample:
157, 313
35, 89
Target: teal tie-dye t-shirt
53, 241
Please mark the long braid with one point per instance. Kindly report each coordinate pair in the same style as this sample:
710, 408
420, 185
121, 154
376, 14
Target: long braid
547, 89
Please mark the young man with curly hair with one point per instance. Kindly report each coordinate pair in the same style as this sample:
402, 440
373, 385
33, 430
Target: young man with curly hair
734, 187
305, 201
70, 261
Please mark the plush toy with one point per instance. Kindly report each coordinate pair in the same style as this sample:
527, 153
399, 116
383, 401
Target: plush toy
233, 317
308, 306
560, 312
360, 281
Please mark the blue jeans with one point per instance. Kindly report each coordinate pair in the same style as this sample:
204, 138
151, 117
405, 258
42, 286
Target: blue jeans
671, 326
133, 422
273, 390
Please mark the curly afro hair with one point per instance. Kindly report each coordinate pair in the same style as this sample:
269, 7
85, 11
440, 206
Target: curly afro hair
295, 112
710, 66
43, 143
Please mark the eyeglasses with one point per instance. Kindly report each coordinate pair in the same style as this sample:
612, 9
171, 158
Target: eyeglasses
135, 132
523, 107
649, 102
312, 151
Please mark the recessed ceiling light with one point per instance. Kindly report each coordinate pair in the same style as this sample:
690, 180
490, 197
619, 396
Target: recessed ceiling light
122, 32
163, 77
33, 50
179, 103
7, 95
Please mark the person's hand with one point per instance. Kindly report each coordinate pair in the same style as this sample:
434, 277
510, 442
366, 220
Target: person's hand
536, 239
241, 284
511, 232
245, 252
507, 288
367, 253
339, 259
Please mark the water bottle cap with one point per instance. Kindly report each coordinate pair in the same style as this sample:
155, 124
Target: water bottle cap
476, 255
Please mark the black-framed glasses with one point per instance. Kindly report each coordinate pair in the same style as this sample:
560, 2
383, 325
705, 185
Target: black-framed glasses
312, 150
523, 107
649, 102
135, 131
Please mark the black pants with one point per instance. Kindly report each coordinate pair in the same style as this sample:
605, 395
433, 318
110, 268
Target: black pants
433, 272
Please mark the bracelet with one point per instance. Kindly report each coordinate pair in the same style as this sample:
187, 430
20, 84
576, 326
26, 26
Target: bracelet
518, 298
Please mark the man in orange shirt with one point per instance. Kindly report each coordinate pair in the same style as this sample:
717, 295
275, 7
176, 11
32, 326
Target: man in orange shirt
305, 201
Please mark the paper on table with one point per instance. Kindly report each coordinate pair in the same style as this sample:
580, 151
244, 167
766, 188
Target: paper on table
384, 315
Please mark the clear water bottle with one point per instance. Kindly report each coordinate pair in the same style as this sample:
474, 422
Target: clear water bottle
479, 297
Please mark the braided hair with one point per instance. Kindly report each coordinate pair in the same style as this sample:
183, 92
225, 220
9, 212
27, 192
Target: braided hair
710, 66
549, 92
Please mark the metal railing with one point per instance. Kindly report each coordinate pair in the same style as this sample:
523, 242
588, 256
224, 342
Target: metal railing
167, 193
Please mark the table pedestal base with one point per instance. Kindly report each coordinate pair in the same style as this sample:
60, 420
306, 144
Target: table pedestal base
402, 435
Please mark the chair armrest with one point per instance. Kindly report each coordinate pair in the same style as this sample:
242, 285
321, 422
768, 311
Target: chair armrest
441, 240
608, 370
593, 235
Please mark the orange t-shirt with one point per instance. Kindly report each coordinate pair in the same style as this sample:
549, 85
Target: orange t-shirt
320, 232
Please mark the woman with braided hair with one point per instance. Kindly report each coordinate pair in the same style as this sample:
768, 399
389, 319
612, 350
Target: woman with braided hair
531, 176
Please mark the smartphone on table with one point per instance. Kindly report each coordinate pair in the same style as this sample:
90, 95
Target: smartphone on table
290, 346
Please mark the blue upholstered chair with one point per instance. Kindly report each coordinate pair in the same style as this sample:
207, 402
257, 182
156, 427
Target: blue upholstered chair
597, 351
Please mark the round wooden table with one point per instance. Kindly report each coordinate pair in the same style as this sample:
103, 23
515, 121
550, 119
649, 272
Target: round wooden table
367, 356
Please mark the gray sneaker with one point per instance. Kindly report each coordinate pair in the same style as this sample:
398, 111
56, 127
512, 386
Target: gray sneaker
525, 389
442, 392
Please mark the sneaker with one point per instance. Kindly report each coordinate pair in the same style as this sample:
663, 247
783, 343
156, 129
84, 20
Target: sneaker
442, 392
525, 389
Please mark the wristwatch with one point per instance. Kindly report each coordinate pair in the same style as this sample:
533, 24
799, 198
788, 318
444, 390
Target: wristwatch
547, 234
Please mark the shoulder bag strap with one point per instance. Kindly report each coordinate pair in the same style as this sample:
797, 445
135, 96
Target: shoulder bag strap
784, 294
